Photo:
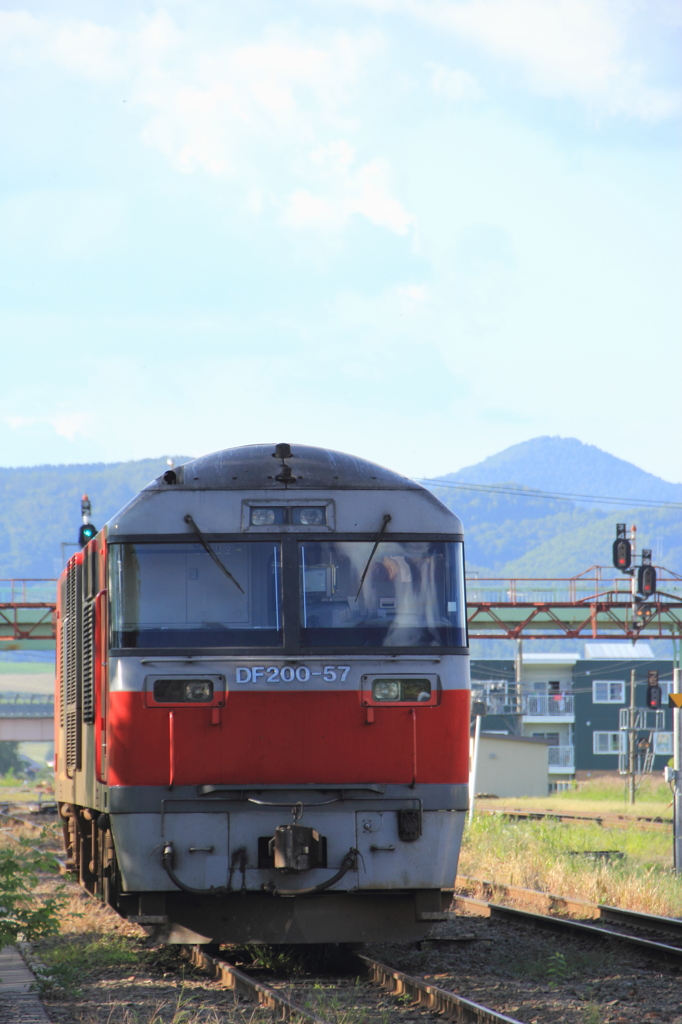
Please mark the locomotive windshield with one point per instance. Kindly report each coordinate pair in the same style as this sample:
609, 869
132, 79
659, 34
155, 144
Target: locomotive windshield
176, 595
412, 594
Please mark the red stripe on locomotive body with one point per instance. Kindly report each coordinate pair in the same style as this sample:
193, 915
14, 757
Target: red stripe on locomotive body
282, 738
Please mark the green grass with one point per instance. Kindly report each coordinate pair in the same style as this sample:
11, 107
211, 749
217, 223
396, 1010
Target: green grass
536, 855
69, 960
605, 795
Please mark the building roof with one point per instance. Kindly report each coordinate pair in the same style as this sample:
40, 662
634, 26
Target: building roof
513, 738
620, 652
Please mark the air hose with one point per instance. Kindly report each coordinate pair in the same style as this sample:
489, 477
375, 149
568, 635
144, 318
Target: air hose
220, 890
348, 862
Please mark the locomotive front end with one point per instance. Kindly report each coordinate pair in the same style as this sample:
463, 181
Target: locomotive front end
278, 745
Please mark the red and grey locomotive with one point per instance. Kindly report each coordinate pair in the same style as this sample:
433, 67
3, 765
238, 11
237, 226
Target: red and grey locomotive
263, 692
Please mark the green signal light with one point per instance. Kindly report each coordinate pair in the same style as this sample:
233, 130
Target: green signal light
86, 533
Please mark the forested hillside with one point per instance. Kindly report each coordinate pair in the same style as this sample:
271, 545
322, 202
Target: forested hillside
518, 535
40, 508
506, 534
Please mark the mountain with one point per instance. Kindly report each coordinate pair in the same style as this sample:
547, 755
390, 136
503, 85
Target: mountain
40, 508
566, 465
506, 534
525, 535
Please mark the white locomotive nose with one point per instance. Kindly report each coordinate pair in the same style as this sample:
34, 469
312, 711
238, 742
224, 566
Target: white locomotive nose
267, 633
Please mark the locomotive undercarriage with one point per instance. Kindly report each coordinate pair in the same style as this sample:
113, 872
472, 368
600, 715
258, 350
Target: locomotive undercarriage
242, 897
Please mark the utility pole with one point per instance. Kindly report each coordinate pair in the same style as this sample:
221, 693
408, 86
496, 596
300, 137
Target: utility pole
631, 738
675, 776
518, 665
478, 709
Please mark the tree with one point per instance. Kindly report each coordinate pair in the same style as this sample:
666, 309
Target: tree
10, 760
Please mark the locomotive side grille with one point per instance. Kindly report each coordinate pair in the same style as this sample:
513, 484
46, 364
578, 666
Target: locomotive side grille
89, 662
72, 665
61, 666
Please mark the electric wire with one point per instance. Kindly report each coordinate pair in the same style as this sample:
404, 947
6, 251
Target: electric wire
530, 492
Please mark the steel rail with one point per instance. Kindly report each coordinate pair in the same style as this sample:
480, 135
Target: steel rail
232, 978
597, 911
483, 908
612, 821
439, 1000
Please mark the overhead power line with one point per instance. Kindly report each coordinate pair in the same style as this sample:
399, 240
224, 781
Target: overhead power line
529, 492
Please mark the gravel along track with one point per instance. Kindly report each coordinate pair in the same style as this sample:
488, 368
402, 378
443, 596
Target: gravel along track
525, 973
319, 1002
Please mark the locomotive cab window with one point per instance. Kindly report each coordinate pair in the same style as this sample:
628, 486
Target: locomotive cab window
175, 595
412, 594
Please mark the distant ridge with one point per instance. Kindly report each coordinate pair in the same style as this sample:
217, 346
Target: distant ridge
564, 464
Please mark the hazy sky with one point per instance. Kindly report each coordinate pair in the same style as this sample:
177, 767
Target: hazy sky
415, 230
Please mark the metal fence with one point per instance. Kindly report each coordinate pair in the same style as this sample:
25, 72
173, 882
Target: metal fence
28, 591
26, 705
548, 705
561, 757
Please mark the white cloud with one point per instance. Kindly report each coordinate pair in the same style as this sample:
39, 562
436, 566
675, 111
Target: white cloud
454, 84
82, 48
590, 50
67, 425
237, 110
365, 192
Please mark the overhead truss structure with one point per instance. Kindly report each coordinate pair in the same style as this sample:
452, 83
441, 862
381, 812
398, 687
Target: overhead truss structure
593, 605
589, 606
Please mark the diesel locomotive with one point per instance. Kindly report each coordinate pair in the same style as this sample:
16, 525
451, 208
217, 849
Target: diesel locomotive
263, 702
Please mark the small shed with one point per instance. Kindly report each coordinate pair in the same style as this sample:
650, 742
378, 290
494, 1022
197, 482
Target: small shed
511, 765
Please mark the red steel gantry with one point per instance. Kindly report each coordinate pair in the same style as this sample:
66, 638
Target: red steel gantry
595, 604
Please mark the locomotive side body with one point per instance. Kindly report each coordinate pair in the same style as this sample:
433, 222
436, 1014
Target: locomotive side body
264, 702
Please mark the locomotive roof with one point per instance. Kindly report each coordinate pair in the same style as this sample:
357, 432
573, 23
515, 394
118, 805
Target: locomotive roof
257, 466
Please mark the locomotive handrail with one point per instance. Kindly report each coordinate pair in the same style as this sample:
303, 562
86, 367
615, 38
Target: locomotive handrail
293, 787
293, 804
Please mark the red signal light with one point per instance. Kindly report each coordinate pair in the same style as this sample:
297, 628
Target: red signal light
622, 554
646, 580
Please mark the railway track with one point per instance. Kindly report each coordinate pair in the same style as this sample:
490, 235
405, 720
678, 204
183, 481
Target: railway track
552, 907
607, 820
439, 1001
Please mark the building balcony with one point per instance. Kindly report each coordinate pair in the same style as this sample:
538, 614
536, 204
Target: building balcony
561, 759
544, 707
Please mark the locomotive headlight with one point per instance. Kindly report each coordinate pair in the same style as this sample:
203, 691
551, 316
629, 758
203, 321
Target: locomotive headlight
200, 691
310, 516
386, 689
409, 691
262, 516
183, 691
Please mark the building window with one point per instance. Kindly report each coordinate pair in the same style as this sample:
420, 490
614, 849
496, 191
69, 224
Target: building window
606, 742
608, 691
666, 690
663, 743
551, 737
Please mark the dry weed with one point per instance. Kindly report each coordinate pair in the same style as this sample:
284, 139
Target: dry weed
537, 855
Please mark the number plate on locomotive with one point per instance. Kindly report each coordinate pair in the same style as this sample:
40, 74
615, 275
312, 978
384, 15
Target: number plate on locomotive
290, 673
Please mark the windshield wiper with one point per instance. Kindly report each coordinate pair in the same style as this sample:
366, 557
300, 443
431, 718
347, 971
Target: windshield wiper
209, 550
379, 535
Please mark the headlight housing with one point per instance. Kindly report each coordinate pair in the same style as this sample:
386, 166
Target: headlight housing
183, 691
410, 691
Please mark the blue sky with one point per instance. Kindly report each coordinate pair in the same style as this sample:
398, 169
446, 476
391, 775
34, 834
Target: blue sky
416, 230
